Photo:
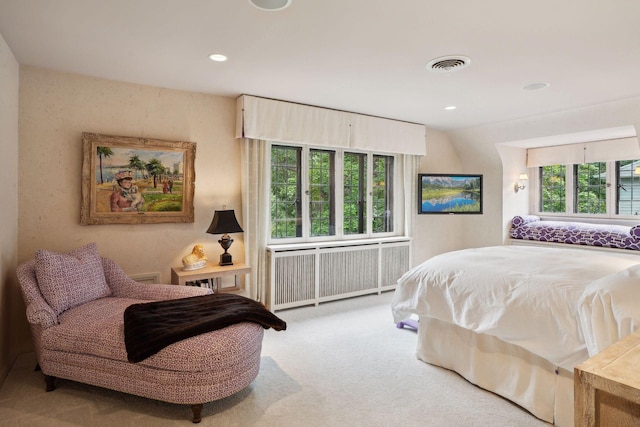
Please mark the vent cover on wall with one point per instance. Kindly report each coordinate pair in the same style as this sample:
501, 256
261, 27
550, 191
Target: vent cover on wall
448, 63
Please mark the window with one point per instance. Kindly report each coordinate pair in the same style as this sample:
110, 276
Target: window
591, 188
286, 197
553, 191
321, 194
628, 188
585, 189
382, 194
355, 193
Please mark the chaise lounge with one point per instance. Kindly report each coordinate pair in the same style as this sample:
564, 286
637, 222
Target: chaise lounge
75, 304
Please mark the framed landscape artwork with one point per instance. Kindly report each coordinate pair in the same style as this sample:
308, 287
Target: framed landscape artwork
128, 180
449, 194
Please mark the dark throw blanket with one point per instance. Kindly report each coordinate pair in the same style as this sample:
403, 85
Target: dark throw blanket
149, 327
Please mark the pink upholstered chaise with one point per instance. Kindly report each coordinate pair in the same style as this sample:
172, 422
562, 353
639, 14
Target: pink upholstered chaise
75, 304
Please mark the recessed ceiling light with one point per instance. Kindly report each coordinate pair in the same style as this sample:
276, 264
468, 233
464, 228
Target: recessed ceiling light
535, 86
450, 107
271, 5
218, 57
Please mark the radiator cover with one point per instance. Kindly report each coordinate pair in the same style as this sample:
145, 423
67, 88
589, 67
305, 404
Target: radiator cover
308, 274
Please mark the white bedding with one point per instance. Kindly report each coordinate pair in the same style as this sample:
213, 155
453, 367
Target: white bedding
549, 301
610, 309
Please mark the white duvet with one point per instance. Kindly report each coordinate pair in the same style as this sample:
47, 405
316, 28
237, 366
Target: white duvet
564, 305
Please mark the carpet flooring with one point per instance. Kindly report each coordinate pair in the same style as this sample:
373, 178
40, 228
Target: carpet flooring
342, 363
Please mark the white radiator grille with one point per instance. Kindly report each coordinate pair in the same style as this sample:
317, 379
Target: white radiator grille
295, 276
395, 263
344, 271
306, 274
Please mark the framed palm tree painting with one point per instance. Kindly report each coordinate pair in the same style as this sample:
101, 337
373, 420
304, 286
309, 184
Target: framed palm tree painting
128, 180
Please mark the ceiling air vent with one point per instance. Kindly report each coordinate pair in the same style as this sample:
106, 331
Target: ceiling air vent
448, 63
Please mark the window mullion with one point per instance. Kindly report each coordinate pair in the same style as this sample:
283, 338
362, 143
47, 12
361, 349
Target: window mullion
369, 195
570, 187
339, 193
306, 222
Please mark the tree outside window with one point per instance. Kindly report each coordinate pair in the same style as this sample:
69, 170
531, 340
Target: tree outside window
306, 201
595, 186
553, 188
286, 194
591, 188
355, 193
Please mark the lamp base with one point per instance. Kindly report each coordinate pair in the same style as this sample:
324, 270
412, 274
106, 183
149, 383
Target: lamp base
226, 259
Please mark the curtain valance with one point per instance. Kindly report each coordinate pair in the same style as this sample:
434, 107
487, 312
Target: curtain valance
273, 120
588, 152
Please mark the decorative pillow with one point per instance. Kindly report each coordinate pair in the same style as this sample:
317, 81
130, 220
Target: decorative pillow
635, 231
68, 280
518, 220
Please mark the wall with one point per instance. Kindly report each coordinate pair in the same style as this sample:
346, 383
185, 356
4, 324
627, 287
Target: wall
478, 153
514, 163
435, 234
55, 108
10, 298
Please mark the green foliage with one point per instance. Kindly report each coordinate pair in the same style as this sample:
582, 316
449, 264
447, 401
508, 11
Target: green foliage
286, 192
136, 164
286, 210
381, 188
553, 188
162, 202
155, 169
321, 170
354, 193
590, 184
591, 188
432, 192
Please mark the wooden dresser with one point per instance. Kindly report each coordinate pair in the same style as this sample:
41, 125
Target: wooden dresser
607, 386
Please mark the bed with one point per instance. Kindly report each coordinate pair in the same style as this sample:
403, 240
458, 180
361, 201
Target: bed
516, 320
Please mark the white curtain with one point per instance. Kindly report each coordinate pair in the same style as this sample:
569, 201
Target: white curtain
260, 120
410, 165
255, 212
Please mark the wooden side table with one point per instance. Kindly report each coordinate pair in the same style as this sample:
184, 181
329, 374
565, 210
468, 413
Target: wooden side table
607, 386
210, 271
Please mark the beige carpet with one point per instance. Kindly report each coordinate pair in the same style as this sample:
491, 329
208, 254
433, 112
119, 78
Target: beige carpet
342, 363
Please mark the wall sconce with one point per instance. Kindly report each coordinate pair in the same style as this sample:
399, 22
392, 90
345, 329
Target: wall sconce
636, 171
522, 182
225, 222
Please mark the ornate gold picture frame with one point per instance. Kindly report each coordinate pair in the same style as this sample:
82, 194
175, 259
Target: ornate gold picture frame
128, 180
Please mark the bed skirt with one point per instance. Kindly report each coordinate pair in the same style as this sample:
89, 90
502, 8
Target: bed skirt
505, 369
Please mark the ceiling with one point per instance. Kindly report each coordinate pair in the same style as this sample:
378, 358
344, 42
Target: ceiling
365, 56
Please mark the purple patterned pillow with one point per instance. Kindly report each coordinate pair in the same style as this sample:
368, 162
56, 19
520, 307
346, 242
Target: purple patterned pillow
68, 280
519, 220
635, 231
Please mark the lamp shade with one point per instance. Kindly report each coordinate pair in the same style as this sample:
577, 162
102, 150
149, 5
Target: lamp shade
224, 222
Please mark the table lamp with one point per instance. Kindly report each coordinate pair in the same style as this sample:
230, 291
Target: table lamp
225, 222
